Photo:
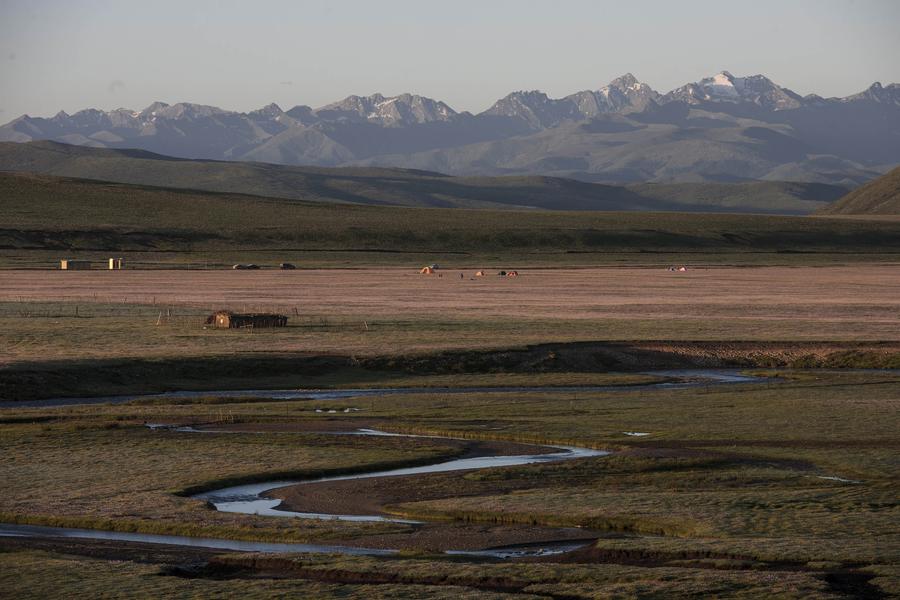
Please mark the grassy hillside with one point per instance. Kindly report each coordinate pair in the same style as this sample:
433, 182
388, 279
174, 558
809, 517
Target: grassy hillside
774, 197
879, 197
381, 186
45, 217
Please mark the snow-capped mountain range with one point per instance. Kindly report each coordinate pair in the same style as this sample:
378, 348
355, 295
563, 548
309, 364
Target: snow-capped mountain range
721, 128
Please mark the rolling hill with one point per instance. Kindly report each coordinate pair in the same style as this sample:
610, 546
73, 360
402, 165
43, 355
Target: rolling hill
878, 197
46, 218
399, 187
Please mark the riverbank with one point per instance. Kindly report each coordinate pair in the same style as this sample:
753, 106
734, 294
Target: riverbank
587, 364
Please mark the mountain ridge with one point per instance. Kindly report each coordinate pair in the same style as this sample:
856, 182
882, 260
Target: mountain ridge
720, 128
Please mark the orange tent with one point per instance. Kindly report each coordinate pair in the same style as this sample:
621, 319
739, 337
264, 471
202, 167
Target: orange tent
512, 273
427, 271
479, 274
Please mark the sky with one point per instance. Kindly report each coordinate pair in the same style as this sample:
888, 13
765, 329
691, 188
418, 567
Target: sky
74, 54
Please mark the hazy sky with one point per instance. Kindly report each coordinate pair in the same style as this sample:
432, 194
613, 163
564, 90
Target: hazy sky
73, 54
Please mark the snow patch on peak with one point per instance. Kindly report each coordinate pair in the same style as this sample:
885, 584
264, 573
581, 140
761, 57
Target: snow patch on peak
725, 87
723, 78
722, 84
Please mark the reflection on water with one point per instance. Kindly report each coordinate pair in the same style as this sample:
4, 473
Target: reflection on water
248, 498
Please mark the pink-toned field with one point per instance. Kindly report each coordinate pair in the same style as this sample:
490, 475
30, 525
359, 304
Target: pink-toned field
826, 294
397, 310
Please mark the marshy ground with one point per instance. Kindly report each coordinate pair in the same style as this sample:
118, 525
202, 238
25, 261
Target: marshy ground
729, 494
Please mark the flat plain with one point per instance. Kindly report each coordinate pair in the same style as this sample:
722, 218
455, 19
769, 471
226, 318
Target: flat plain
379, 311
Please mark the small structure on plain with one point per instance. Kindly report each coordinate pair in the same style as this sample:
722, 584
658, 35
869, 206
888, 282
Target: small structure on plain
74, 265
225, 319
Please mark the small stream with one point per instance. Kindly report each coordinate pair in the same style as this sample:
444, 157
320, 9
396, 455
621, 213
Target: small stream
250, 499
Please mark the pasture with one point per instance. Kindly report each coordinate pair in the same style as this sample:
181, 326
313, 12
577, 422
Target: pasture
59, 315
786, 488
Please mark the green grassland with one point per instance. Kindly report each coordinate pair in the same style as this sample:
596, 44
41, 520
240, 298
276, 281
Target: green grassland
878, 197
47, 218
725, 497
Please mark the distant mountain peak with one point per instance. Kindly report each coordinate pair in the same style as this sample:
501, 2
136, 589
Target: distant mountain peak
883, 94
156, 106
624, 82
534, 107
270, 110
521, 98
725, 87
722, 84
621, 95
528, 94
402, 109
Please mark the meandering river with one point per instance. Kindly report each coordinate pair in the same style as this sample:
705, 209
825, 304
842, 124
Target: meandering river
250, 499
